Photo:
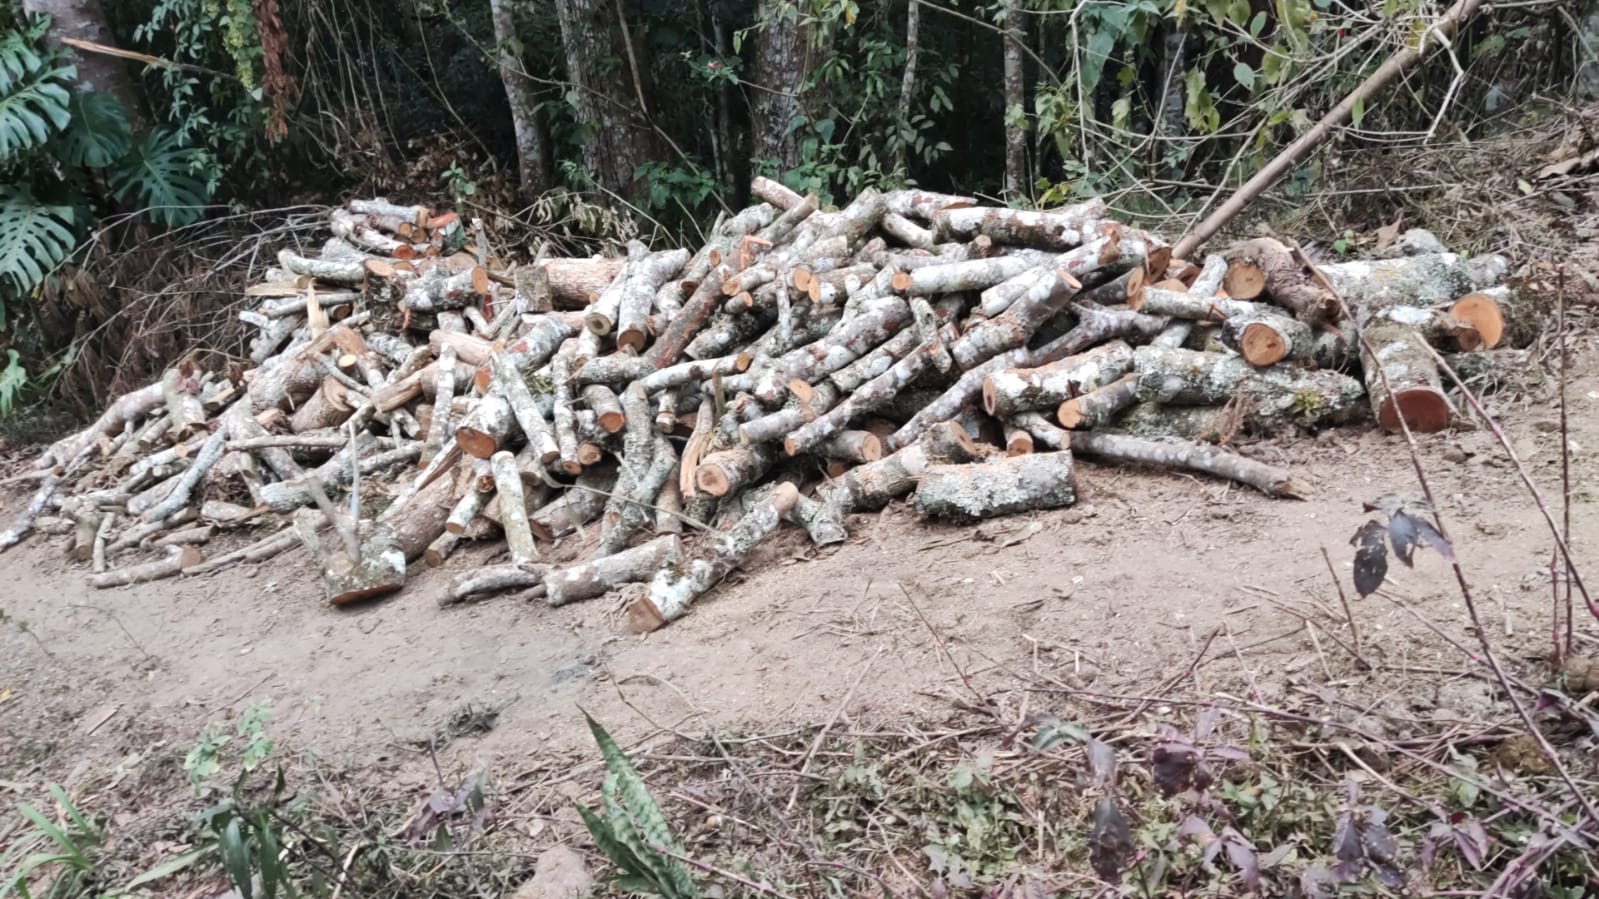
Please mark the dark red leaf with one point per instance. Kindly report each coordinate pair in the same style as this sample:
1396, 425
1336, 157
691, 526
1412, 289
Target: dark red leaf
1427, 535
1378, 841
1174, 765
1346, 848
1472, 841
1241, 853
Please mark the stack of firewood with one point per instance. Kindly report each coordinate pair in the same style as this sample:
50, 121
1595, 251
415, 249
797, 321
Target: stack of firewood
671, 409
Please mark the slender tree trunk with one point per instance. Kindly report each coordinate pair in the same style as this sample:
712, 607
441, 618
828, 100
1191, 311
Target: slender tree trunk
1015, 102
532, 144
733, 181
1170, 122
907, 85
782, 63
85, 20
617, 137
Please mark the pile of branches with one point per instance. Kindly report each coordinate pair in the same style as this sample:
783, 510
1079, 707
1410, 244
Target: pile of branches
801, 366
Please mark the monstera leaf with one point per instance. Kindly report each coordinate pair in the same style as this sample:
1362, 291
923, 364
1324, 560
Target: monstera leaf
160, 177
99, 134
34, 238
34, 99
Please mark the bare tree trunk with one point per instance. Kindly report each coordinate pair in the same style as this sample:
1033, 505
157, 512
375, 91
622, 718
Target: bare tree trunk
532, 144
907, 86
85, 20
782, 64
617, 136
1015, 102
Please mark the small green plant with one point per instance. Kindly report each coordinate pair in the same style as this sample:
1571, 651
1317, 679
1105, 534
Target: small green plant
632, 832
70, 848
458, 182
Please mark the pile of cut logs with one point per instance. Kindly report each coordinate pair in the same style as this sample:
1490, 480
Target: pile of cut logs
669, 410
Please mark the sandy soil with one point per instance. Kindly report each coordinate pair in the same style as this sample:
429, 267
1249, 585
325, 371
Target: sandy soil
1119, 593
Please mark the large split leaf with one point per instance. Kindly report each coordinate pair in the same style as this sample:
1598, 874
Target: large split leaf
99, 134
162, 178
35, 237
34, 98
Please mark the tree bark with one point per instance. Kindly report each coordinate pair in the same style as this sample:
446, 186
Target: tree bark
617, 136
996, 487
1188, 377
600, 576
532, 143
1100, 406
1402, 378
782, 64
1016, 184
1014, 390
907, 86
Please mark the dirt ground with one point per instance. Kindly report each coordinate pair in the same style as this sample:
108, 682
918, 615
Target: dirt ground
1117, 594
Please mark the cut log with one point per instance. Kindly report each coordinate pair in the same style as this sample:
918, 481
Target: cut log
875, 485
1268, 479
583, 502
1282, 277
690, 319
440, 424
1099, 407
510, 385
485, 427
972, 274
170, 565
178, 392
1059, 230
1269, 338
1194, 306
513, 509
728, 471
675, 588
822, 522
130, 407
1370, 285
597, 577
208, 454
1014, 390
871, 395
908, 232
574, 283
694, 370
337, 271
774, 192
419, 521
626, 515
1002, 486
377, 569
1481, 311
1189, 377
1018, 441
607, 408
440, 549
492, 579
327, 407
924, 204
1402, 378
852, 446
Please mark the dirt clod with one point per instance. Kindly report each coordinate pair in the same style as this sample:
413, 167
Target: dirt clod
560, 874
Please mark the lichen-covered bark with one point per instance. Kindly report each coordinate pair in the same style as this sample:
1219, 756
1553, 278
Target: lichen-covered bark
1002, 486
617, 137
782, 62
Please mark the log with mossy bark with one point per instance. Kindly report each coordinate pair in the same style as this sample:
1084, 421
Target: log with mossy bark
1100, 406
999, 486
872, 486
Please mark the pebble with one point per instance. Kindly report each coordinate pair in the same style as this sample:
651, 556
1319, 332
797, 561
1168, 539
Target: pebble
1456, 454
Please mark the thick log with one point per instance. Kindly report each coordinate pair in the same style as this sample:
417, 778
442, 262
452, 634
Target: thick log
483, 429
1483, 311
469, 348
510, 384
597, 577
1100, 406
972, 274
513, 509
440, 550
822, 522
690, 319
1178, 454
1368, 286
1194, 306
492, 579
1402, 378
378, 567
627, 514
1058, 230
908, 232
924, 204
337, 271
1280, 276
419, 520
774, 192
852, 446
183, 405
1206, 424
1018, 441
382, 213
574, 283
170, 565
675, 588
729, 471
842, 346
693, 370
325, 408
1189, 377
1269, 338
1014, 390
1002, 486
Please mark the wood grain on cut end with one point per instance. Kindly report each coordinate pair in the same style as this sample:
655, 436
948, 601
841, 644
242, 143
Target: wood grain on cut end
1483, 314
1244, 280
1425, 409
1262, 344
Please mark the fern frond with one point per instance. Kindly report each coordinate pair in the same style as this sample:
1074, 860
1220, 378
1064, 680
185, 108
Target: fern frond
159, 177
33, 95
34, 238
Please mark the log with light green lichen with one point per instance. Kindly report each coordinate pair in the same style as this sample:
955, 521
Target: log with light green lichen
1001, 486
1191, 377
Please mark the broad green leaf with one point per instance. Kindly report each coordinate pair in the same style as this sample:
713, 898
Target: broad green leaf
160, 178
1100, 45
34, 98
1358, 112
1244, 75
169, 867
99, 134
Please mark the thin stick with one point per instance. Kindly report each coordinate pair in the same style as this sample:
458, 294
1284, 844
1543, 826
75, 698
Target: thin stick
1565, 452
816, 744
1488, 657
1354, 631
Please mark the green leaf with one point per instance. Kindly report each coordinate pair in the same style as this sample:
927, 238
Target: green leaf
99, 134
625, 784
1100, 45
1244, 75
169, 867
34, 98
612, 848
159, 177
1359, 111
236, 858
1257, 24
